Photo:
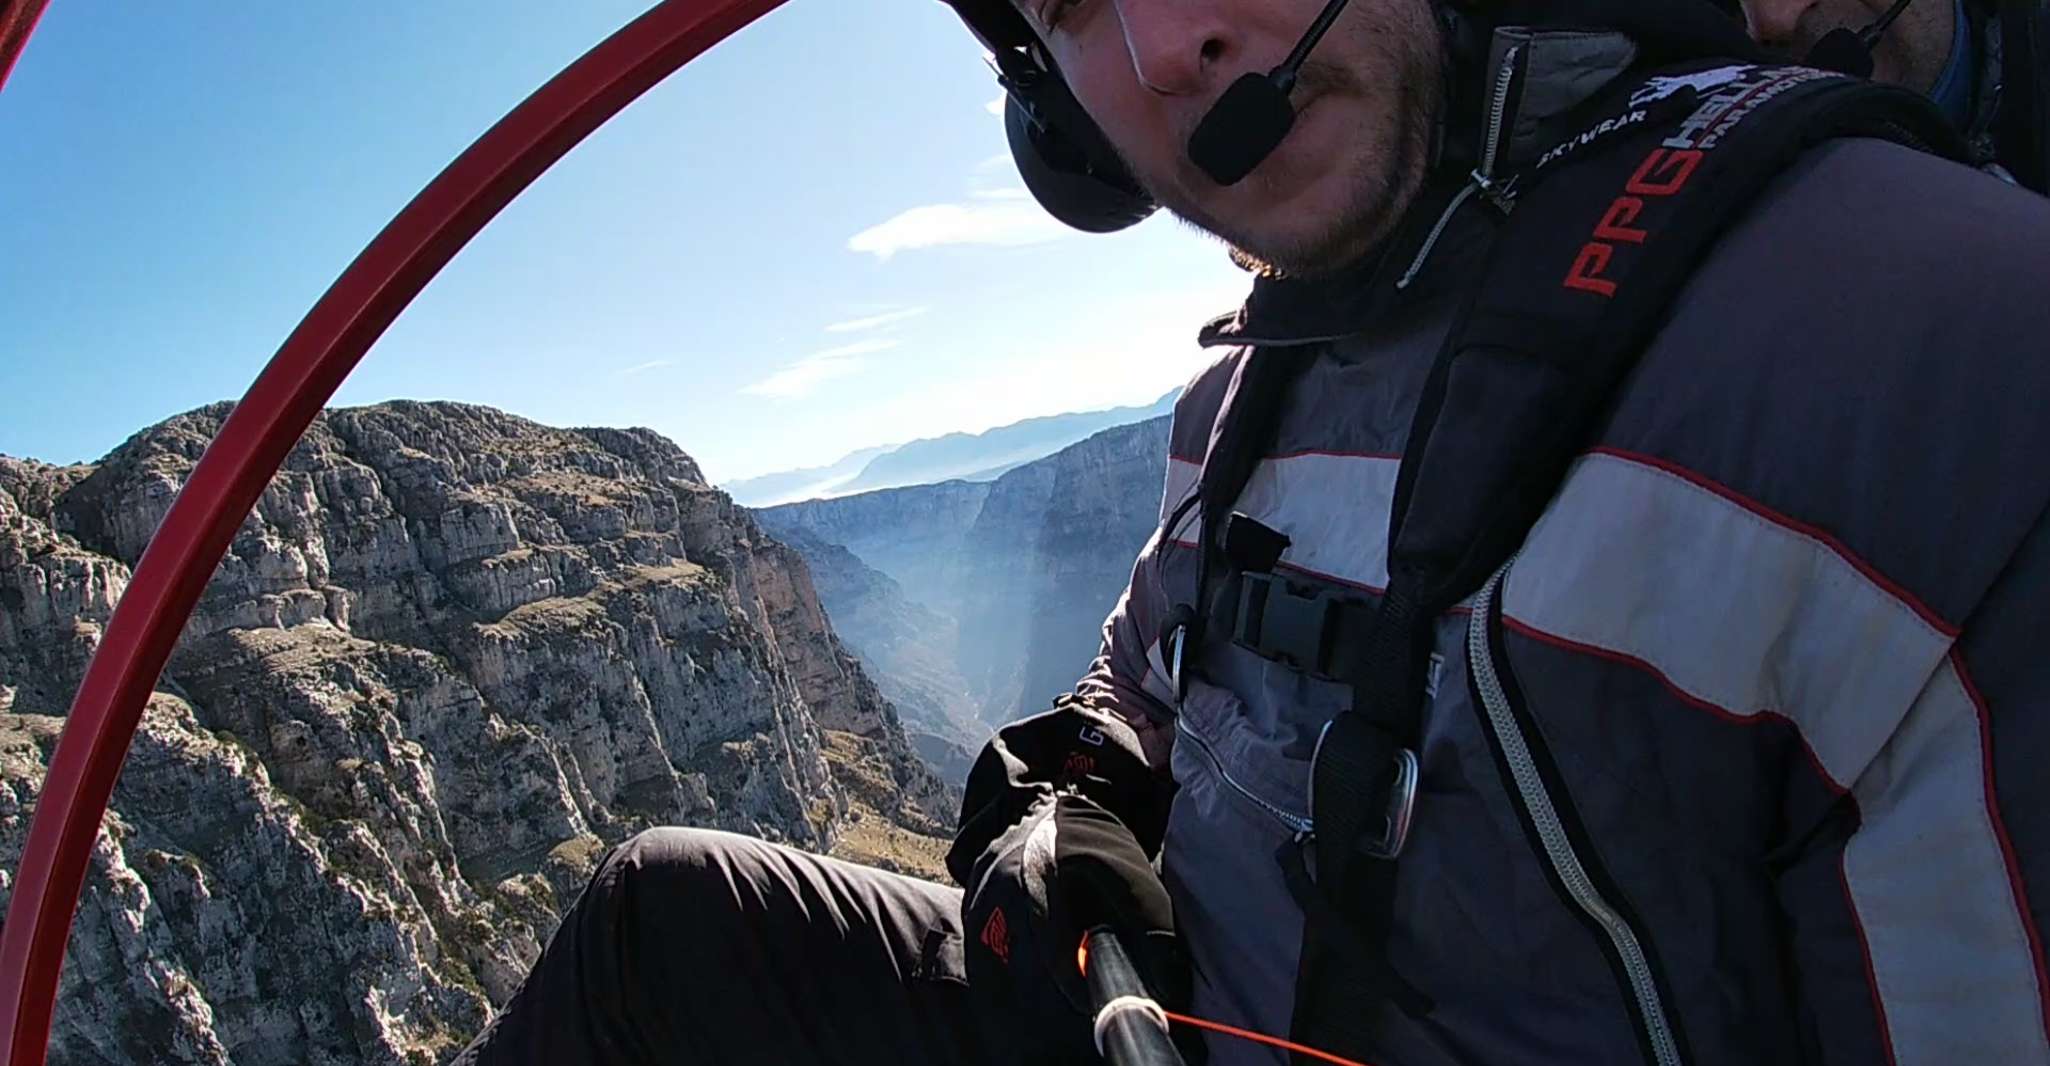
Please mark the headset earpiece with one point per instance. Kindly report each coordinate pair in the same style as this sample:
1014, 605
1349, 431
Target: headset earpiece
1067, 163
1088, 189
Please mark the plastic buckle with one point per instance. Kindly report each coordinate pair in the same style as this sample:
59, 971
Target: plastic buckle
1281, 624
1401, 808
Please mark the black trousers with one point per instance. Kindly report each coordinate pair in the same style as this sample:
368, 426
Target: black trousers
693, 946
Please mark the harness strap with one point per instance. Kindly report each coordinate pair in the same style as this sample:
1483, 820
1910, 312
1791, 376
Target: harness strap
1577, 282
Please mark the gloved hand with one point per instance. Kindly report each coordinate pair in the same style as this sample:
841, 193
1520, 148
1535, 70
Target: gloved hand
1066, 868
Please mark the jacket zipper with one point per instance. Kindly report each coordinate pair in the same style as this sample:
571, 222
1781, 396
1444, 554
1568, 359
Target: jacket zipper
1296, 823
1537, 803
1483, 177
1498, 114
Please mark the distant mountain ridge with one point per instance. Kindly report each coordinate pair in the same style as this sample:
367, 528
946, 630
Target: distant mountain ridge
1021, 572
803, 484
974, 457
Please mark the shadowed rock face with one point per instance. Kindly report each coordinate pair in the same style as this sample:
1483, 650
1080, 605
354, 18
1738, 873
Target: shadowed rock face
914, 535
450, 658
905, 645
1000, 589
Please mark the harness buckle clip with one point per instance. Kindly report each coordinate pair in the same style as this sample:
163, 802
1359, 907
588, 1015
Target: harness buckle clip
1175, 632
1401, 808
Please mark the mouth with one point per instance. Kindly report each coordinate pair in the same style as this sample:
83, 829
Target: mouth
1303, 112
1302, 109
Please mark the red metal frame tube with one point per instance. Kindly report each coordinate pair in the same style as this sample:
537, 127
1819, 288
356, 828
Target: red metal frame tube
256, 438
17, 21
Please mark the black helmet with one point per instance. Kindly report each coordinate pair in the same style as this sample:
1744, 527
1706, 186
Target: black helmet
1067, 163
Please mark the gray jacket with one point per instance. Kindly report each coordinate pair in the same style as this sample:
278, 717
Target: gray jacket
1736, 760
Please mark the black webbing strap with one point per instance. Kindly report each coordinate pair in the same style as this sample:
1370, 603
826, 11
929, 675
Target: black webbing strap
1577, 282
2022, 125
1579, 279
1251, 416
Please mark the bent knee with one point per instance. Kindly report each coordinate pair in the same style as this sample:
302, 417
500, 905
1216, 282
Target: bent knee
703, 870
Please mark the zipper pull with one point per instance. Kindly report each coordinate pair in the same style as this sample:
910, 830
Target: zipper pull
1482, 178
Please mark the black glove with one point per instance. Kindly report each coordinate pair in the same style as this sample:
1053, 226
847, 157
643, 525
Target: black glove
1068, 867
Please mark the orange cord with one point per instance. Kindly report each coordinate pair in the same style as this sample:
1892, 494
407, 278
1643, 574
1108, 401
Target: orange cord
1261, 1038
1082, 963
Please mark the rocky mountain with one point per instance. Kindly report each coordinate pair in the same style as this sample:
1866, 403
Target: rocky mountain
914, 534
450, 658
1021, 571
901, 643
981, 456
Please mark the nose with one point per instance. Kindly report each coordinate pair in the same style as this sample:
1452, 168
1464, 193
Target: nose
1177, 46
1775, 22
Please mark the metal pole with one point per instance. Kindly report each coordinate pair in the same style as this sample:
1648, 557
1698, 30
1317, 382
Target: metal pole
1129, 1037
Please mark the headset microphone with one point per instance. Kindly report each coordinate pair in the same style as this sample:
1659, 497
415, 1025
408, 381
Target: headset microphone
1253, 116
1847, 51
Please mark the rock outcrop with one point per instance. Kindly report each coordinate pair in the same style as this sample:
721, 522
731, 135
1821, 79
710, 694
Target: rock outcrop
450, 657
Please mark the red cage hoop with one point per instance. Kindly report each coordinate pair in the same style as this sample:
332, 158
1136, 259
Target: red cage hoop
264, 426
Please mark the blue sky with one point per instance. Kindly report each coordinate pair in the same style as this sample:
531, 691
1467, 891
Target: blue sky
806, 242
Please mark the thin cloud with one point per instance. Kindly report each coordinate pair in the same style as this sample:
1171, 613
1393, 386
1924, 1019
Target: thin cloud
1001, 217
867, 347
887, 318
996, 106
807, 374
642, 368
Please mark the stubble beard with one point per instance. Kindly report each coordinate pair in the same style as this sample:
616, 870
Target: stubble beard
1384, 159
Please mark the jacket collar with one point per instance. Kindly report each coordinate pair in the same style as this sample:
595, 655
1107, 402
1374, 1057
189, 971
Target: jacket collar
1282, 311
1551, 73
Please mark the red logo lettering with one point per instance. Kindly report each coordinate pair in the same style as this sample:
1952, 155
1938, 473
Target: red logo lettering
996, 935
1593, 259
1663, 172
1615, 224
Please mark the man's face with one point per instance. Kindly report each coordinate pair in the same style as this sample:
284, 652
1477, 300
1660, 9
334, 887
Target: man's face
1911, 54
1149, 70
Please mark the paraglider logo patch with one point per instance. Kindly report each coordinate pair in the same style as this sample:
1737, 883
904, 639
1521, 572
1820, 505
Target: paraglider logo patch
1632, 217
996, 935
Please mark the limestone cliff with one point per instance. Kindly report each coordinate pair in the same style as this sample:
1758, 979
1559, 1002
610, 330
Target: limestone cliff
450, 657
1017, 575
905, 645
912, 534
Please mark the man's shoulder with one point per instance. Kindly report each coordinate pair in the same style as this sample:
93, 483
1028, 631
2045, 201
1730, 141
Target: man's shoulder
1898, 222
1863, 355
1196, 410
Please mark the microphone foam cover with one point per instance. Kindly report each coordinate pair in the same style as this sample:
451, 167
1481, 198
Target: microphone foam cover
1242, 130
1842, 52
